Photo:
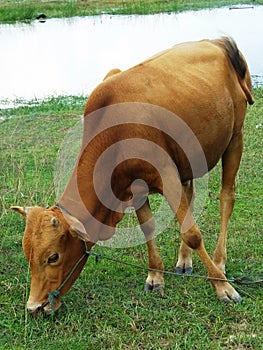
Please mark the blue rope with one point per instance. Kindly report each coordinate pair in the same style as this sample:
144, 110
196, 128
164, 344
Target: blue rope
52, 296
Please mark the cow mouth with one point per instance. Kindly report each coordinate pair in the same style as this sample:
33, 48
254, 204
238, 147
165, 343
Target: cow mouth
39, 310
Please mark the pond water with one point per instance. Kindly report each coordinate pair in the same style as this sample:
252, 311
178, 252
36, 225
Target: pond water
72, 56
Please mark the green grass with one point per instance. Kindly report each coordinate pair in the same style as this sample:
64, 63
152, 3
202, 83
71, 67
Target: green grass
107, 307
27, 10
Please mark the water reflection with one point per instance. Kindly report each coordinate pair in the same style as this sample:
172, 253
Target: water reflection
72, 56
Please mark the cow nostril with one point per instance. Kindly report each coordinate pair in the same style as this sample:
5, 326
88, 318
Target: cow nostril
39, 309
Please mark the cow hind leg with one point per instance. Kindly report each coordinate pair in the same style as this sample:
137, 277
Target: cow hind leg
192, 237
230, 164
155, 280
184, 263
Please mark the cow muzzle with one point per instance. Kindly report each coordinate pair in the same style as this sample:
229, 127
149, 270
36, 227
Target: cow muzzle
36, 308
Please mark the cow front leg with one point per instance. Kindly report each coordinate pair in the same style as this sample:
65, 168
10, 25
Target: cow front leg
230, 164
155, 280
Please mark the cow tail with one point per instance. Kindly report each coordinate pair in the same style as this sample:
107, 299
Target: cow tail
240, 65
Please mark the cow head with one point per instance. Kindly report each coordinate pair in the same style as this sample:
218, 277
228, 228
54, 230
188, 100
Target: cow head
52, 247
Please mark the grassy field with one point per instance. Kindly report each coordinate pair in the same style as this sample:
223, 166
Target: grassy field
107, 307
28, 10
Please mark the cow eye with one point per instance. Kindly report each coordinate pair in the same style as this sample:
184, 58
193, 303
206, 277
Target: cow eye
53, 258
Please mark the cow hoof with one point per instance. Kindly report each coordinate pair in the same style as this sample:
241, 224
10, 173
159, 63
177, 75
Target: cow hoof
188, 271
158, 287
237, 299
148, 287
180, 270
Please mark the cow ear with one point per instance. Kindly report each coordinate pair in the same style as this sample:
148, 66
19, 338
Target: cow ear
22, 210
76, 228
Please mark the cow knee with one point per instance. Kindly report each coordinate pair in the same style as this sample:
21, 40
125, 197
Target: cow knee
192, 238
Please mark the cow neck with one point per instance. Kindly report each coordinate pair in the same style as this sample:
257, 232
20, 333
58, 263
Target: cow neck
80, 201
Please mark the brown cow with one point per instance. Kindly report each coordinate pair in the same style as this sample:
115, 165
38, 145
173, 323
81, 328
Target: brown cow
150, 129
